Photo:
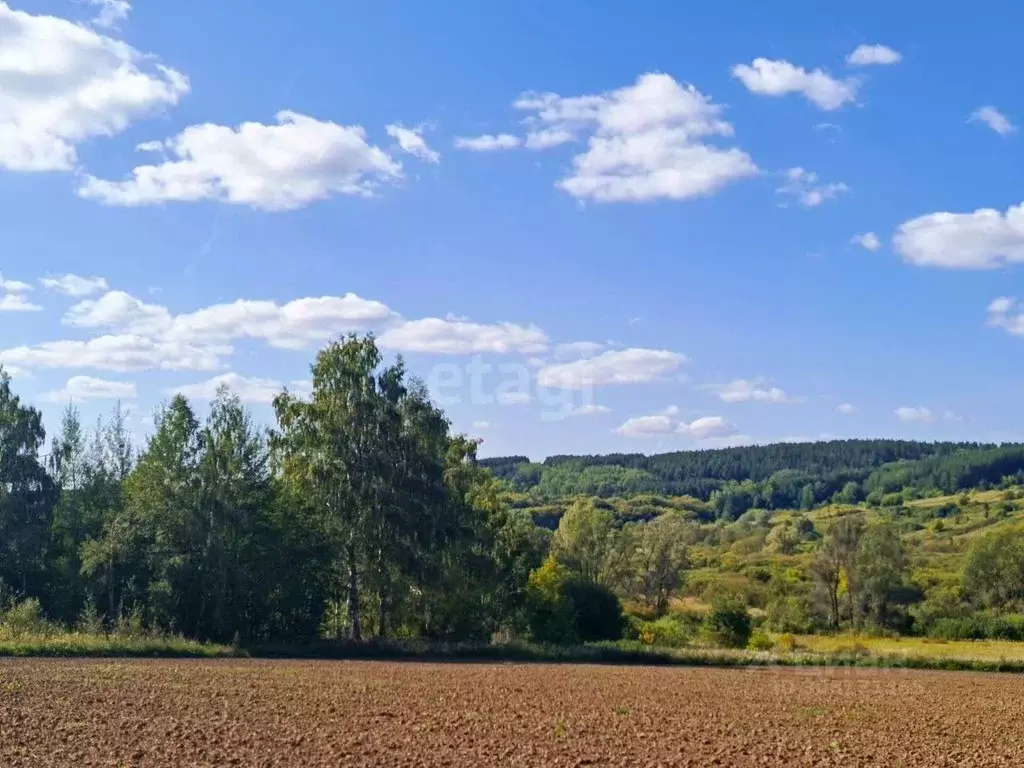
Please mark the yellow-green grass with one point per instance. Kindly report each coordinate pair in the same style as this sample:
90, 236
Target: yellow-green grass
81, 644
970, 650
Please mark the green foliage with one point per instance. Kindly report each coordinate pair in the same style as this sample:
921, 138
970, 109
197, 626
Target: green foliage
595, 612
727, 624
994, 573
761, 641
565, 609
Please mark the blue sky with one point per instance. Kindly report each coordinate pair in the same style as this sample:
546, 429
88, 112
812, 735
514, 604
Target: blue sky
679, 188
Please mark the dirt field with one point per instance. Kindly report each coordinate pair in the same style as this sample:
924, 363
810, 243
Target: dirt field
261, 713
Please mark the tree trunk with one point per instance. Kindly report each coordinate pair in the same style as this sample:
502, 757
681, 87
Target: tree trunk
353, 594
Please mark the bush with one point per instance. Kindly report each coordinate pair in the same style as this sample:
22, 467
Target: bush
727, 624
761, 641
595, 613
563, 610
786, 642
24, 619
666, 632
978, 627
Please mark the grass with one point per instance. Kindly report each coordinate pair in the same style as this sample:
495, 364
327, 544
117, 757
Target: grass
968, 650
77, 644
810, 651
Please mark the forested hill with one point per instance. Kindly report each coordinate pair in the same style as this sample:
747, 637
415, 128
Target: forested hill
781, 474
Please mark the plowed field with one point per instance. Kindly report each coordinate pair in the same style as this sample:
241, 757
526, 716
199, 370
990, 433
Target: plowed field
266, 713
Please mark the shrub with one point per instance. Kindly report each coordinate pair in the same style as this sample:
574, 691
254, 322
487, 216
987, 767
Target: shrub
563, 610
761, 641
666, 632
786, 642
594, 610
23, 619
727, 623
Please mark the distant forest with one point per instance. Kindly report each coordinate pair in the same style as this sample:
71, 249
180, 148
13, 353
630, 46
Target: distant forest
779, 476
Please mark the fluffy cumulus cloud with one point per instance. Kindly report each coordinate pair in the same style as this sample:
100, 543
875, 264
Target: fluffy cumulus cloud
62, 83
248, 389
139, 335
293, 325
276, 167
669, 423
15, 302
846, 408
1008, 314
984, 239
769, 77
623, 366
868, 55
646, 141
13, 286
411, 141
750, 391
461, 337
868, 241
120, 352
914, 414
488, 142
994, 119
83, 388
74, 285
808, 189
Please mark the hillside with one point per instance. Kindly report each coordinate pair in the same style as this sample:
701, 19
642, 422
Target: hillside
778, 476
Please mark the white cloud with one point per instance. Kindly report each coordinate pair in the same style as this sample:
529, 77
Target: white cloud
867, 55
62, 83
411, 141
481, 425
846, 408
804, 186
919, 414
73, 285
624, 366
488, 142
249, 390
15, 302
294, 325
983, 239
750, 391
548, 137
459, 337
645, 141
994, 119
124, 352
868, 241
575, 350
668, 423
110, 12
119, 310
13, 286
83, 388
268, 167
779, 78
1006, 313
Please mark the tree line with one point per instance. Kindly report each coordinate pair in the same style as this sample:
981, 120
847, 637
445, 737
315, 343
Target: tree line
781, 476
359, 513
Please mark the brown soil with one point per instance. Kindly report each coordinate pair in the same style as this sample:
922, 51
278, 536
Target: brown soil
256, 713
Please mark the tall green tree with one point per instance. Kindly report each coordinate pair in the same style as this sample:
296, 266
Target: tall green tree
583, 540
27, 495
